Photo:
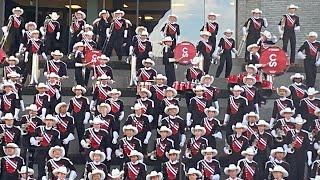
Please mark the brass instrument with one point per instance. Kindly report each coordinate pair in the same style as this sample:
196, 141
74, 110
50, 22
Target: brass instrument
152, 155
45, 24
244, 38
5, 36
280, 135
283, 21
73, 20
188, 154
24, 129
35, 71
227, 148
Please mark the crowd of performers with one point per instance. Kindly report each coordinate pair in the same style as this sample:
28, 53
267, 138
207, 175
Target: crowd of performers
285, 146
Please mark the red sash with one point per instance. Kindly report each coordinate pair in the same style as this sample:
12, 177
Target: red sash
7, 103
208, 47
115, 107
16, 22
208, 126
313, 49
171, 171
53, 67
46, 137
299, 91
297, 141
160, 148
256, 24
311, 106
54, 165
280, 105
118, 24
212, 27
159, 93
39, 102
174, 127
227, 44
144, 110
133, 171
95, 139
172, 30
34, 46
105, 124
52, 90
76, 25
144, 75
251, 132
51, 27
195, 146
208, 170
61, 125
290, 20
102, 93
284, 126
137, 124
236, 145
127, 147
168, 103
208, 94
194, 73
249, 93
31, 126
8, 69
100, 71
88, 46
201, 105
76, 105
141, 47
248, 171
10, 165
234, 107
261, 144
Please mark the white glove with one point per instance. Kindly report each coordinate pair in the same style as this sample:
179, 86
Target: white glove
58, 36
109, 152
58, 94
244, 31
297, 29
217, 135
26, 57
73, 175
118, 152
226, 119
130, 50
150, 118
84, 144
115, 137
150, 54
121, 116
189, 121
16, 113
5, 29
309, 155
68, 139
43, 113
301, 55
317, 62
92, 106
226, 151
316, 146
215, 177
34, 142
42, 30
21, 48
159, 120
235, 51
265, 22
86, 118
146, 140
183, 140
125, 34
44, 56
22, 105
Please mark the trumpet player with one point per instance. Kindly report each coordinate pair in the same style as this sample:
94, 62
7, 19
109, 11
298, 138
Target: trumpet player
11, 162
142, 49
169, 99
298, 89
298, 148
249, 168
194, 146
209, 166
76, 26
250, 120
101, 26
100, 93
10, 66
103, 67
14, 78
283, 126
135, 169
117, 106
277, 159
162, 145
168, 60
56, 65
147, 73
212, 125
89, 43
206, 49
172, 29
8, 132
97, 158
211, 92
54, 91
288, 26
173, 169
51, 31
252, 93
148, 104
254, 56
80, 77
26, 35
9, 100
315, 135
42, 99
213, 27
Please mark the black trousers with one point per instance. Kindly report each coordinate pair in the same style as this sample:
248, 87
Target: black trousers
206, 64
80, 79
311, 71
213, 40
139, 63
15, 37
79, 117
225, 59
297, 163
51, 43
101, 42
41, 159
251, 39
116, 44
292, 38
170, 73
53, 103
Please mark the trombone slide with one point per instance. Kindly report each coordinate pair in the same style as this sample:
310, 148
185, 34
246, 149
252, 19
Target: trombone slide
133, 73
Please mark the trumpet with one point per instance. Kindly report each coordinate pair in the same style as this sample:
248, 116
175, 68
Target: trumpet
5, 36
227, 149
24, 129
152, 155
280, 135
188, 154
291, 148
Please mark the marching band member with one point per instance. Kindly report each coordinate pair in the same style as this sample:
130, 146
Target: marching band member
116, 35
65, 125
11, 162
43, 139
100, 27
250, 120
128, 143
154, 175
82, 73
315, 135
193, 174
197, 106
176, 124
225, 47
209, 166
249, 167
236, 143
278, 159
12, 65
251, 93
142, 49
298, 89
141, 121
206, 49
79, 107
266, 40
162, 145
308, 106
138, 32
279, 173
97, 175
135, 169
147, 103
213, 27
76, 26
97, 158
54, 88
311, 47
103, 68
288, 26
168, 56
57, 160
212, 125
56, 65
232, 171
315, 168
254, 56
85, 29
100, 93
172, 29
211, 92
42, 99
60, 173
117, 106
14, 78
195, 144
298, 148
51, 31
252, 28
26, 173
169, 94
26, 35
281, 103
89, 43
173, 169
282, 126
147, 73
14, 32
9, 132
236, 108
9, 100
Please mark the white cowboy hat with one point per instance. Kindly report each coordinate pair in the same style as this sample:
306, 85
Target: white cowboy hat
130, 127
297, 76
103, 57
171, 106
194, 171
173, 151
54, 15
278, 150
237, 88
50, 117
148, 60
252, 46
18, 9
88, 33
58, 106
251, 66
136, 153
23, 170
145, 90
42, 85
13, 74
144, 33
239, 126
57, 53
209, 150
212, 109
26, 26
249, 77
14, 146
88, 26
173, 15
53, 75
78, 44
165, 129
56, 148
288, 92
231, 167
292, 6
95, 120
212, 14
286, 110
205, 33
252, 114
97, 171
198, 127
104, 105
7, 116
312, 91
207, 76
104, 12
170, 89
227, 31
34, 32
116, 173
32, 107
317, 112
114, 91
160, 76
199, 88
140, 28
12, 58
104, 77
154, 174
312, 33
256, 10
79, 87
61, 169
262, 122
249, 151
137, 106
7, 84
97, 152
82, 14
267, 34
167, 39
119, 12
299, 120
279, 168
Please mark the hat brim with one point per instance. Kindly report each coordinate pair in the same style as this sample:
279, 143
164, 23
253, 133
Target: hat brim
51, 150
101, 154
82, 89
214, 152
166, 110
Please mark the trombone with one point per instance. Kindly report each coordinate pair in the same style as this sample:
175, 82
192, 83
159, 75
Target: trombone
5, 36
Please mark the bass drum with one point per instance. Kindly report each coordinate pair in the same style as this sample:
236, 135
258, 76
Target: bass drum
184, 52
274, 61
91, 57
